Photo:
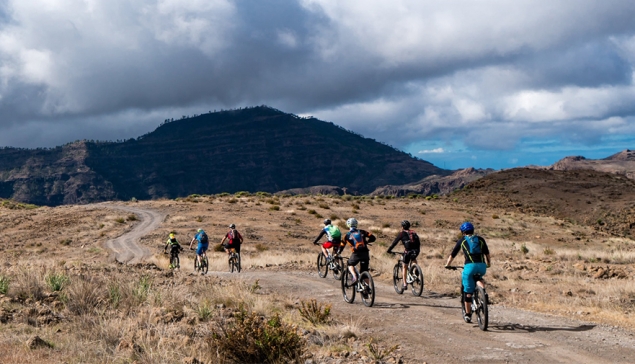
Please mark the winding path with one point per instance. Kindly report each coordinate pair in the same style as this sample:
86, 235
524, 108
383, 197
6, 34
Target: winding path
126, 247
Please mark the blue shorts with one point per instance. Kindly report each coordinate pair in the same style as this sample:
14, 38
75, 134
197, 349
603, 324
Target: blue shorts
201, 248
468, 272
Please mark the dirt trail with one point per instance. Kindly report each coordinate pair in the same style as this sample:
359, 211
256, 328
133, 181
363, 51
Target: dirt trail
126, 247
429, 328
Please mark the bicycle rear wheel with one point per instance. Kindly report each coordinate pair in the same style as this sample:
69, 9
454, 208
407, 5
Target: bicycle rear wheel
368, 294
348, 289
417, 283
231, 263
397, 278
238, 267
482, 315
339, 266
322, 267
204, 265
174, 262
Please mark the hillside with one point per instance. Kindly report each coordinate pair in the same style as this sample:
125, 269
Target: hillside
255, 149
620, 163
434, 184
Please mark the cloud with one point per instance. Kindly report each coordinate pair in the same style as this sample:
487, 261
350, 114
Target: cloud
436, 151
487, 73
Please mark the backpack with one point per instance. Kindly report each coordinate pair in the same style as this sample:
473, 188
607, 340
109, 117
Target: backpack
358, 239
413, 242
334, 232
203, 238
473, 244
234, 237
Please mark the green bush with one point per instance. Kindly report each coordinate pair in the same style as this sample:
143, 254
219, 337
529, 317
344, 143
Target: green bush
274, 208
315, 312
57, 281
312, 212
263, 194
242, 194
132, 217
120, 220
4, 284
255, 339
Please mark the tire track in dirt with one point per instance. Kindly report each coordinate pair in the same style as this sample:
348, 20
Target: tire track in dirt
430, 327
126, 247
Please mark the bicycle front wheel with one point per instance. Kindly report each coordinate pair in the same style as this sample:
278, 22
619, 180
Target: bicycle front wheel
238, 267
417, 282
174, 261
204, 265
339, 267
231, 264
482, 314
397, 279
322, 267
368, 292
348, 289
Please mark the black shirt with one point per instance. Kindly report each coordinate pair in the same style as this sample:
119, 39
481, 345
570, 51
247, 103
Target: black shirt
408, 244
471, 258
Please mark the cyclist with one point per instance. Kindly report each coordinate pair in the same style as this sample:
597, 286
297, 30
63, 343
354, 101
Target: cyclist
234, 239
174, 245
203, 244
359, 240
333, 239
412, 246
477, 260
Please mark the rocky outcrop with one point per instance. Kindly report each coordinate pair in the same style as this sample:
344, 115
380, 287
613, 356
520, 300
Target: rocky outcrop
622, 163
435, 184
314, 190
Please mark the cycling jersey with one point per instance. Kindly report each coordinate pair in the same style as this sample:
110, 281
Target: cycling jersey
358, 239
408, 243
329, 232
234, 237
461, 244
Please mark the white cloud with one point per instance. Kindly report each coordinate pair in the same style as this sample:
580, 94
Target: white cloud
433, 151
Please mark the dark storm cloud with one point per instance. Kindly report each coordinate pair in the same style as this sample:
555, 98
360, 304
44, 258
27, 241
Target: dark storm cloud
398, 71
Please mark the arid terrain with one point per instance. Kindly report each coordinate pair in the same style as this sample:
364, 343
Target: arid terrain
561, 290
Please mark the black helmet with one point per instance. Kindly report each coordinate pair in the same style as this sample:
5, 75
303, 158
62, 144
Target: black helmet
405, 224
232, 226
327, 222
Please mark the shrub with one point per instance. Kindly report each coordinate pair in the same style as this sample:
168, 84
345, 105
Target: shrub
523, 249
355, 206
132, 217
66, 242
261, 247
219, 248
120, 220
324, 206
495, 216
274, 208
263, 194
204, 310
385, 225
255, 339
315, 312
312, 212
84, 296
57, 281
377, 353
223, 194
232, 200
242, 194
548, 251
4, 284
333, 217
114, 294
142, 289
28, 284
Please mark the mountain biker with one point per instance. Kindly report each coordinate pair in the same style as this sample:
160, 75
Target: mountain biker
203, 244
174, 245
477, 260
333, 239
412, 247
234, 239
359, 240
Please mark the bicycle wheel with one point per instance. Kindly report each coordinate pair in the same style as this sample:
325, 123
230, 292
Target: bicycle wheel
231, 263
195, 265
368, 294
323, 268
174, 261
397, 279
339, 266
348, 289
482, 315
204, 265
417, 276
238, 262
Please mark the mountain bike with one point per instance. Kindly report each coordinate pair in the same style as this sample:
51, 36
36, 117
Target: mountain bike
479, 301
364, 285
203, 266
234, 261
336, 264
174, 258
414, 278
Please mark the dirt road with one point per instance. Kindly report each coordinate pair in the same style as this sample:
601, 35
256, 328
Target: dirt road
126, 247
428, 328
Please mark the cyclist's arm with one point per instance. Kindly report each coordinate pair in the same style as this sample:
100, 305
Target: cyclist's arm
394, 243
319, 237
240, 238
486, 253
166, 246
192, 242
224, 238
454, 252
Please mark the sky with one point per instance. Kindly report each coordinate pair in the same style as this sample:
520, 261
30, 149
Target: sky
483, 83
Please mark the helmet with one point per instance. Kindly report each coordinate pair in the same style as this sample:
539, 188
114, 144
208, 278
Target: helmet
232, 226
352, 222
199, 230
327, 222
467, 227
405, 224
171, 235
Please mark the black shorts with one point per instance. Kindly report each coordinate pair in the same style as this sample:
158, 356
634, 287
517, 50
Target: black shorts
363, 258
236, 247
410, 255
175, 249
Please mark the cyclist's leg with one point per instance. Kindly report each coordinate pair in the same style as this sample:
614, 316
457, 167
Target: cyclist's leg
352, 262
363, 266
325, 248
468, 285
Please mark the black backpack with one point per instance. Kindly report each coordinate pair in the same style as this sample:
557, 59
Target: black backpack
411, 240
204, 239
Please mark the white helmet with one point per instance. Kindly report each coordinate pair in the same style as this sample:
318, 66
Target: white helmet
351, 223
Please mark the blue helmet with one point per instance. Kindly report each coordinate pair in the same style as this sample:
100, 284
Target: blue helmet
467, 227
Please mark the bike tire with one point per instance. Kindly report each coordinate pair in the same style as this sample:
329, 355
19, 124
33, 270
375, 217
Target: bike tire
397, 279
204, 265
368, 295
339, 267
230, 262
482, 314
418, 283
195, 265
348, 290
238, 267
322, 267
174, 262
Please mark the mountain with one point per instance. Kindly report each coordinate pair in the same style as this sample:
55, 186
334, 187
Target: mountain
252, 149
435, 184
620, 163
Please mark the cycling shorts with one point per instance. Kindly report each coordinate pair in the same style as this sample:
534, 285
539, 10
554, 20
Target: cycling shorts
469, 271
174, 250
236, 247
363, 258
328, 245
201, 248
410, 256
